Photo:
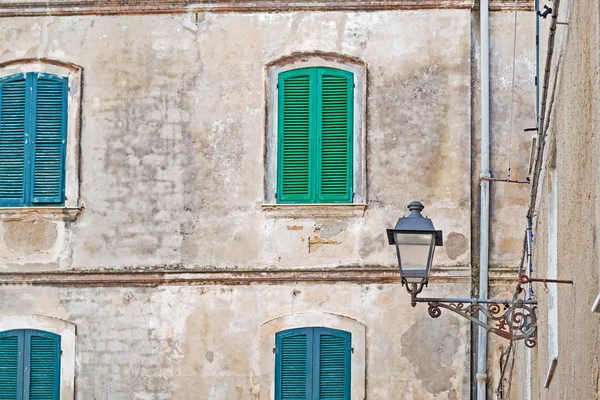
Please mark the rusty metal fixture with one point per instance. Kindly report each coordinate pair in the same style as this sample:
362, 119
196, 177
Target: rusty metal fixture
513, 319
523, 279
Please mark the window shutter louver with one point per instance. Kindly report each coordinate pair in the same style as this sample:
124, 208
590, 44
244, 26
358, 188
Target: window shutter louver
294, 357
49, 140
13, 146
11, 367
294, 141
43, 360
333, 380
335, 139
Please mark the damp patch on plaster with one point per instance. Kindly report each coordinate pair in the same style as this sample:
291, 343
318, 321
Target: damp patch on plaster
456, 245
433, 357
29, 237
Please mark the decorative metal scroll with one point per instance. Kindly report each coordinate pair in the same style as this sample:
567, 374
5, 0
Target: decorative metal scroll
516, 321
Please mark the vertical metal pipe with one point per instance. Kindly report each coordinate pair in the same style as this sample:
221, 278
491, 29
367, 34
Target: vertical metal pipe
485, 195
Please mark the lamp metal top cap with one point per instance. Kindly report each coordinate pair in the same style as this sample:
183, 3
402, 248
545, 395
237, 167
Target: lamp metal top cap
416, 206
415, 223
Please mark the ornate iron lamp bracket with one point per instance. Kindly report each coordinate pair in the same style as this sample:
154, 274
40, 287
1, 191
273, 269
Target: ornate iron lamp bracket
511, 319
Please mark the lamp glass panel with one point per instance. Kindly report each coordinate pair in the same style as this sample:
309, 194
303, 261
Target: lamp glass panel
414, 249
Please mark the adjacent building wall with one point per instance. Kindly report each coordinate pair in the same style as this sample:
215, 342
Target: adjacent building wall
570, 170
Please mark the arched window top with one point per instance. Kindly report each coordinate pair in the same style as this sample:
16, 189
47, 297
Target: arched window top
39, 65
317, 57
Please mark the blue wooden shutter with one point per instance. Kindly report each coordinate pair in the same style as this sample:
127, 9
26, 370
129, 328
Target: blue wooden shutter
335, 134
11, 365
49, 139
42, 366
295, 168
13, 140
293, 380
333, 354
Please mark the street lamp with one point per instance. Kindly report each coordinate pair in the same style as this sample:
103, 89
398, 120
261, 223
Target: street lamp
415, 239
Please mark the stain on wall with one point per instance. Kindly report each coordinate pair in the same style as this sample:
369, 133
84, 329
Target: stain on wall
432, 358
24, 238
456, 245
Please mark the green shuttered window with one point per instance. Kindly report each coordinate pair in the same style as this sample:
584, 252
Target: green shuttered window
33, 135
29, 365
312, 364
315, 135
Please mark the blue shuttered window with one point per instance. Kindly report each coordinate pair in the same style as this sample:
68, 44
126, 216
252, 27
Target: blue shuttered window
315, 135
312, 364
33, 135
29, 365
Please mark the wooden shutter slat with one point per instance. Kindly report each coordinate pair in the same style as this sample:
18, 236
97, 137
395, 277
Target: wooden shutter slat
12, 140
335, 122
49, 139
333, 372
43, 382
294, 170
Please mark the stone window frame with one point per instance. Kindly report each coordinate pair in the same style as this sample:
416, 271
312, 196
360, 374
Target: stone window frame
359, 162
68, 337
269, 329
74, 74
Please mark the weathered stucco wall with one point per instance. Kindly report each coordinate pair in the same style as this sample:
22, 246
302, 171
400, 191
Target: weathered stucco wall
204, 342
572, 148
172, 173
173, 132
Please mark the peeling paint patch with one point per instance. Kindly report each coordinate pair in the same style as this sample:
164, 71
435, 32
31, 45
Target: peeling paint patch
329, 230
456, 245
29, 237
432, 358
295, 228
315, 243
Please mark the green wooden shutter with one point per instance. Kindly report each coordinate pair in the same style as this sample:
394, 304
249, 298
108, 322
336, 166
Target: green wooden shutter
332, 375
42, 366
11, 365
335, 132
296, 137
49, 139
13, 140
293, 364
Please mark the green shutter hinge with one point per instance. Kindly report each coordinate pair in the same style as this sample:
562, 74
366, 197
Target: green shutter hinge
274, 350
352, 350
61, 352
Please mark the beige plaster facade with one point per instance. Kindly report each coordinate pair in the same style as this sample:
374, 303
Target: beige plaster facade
567, 218
175, 267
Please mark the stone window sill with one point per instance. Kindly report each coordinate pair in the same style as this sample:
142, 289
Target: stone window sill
314, 210
40, 213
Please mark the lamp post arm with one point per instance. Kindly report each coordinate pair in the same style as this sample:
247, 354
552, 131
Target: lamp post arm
514, 319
